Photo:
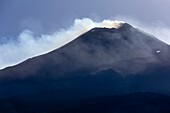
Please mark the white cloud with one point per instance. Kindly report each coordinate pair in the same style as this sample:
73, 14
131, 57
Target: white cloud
29, 46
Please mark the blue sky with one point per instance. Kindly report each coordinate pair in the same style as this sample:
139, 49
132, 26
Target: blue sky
44, 16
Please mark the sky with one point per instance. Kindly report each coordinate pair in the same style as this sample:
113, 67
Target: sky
45, 16
29, 28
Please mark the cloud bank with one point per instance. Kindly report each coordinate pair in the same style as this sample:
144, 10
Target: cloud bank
28, 45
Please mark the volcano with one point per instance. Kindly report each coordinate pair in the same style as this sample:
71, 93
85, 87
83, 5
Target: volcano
102, 63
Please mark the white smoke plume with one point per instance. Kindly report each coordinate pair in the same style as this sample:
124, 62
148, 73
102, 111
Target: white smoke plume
28, 45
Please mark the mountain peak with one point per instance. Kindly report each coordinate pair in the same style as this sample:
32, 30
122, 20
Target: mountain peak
101, 49
125, 26
121, 26
101, 61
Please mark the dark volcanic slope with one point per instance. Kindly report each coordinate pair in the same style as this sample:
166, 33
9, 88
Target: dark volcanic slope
100, 62
125, 50
132, 103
